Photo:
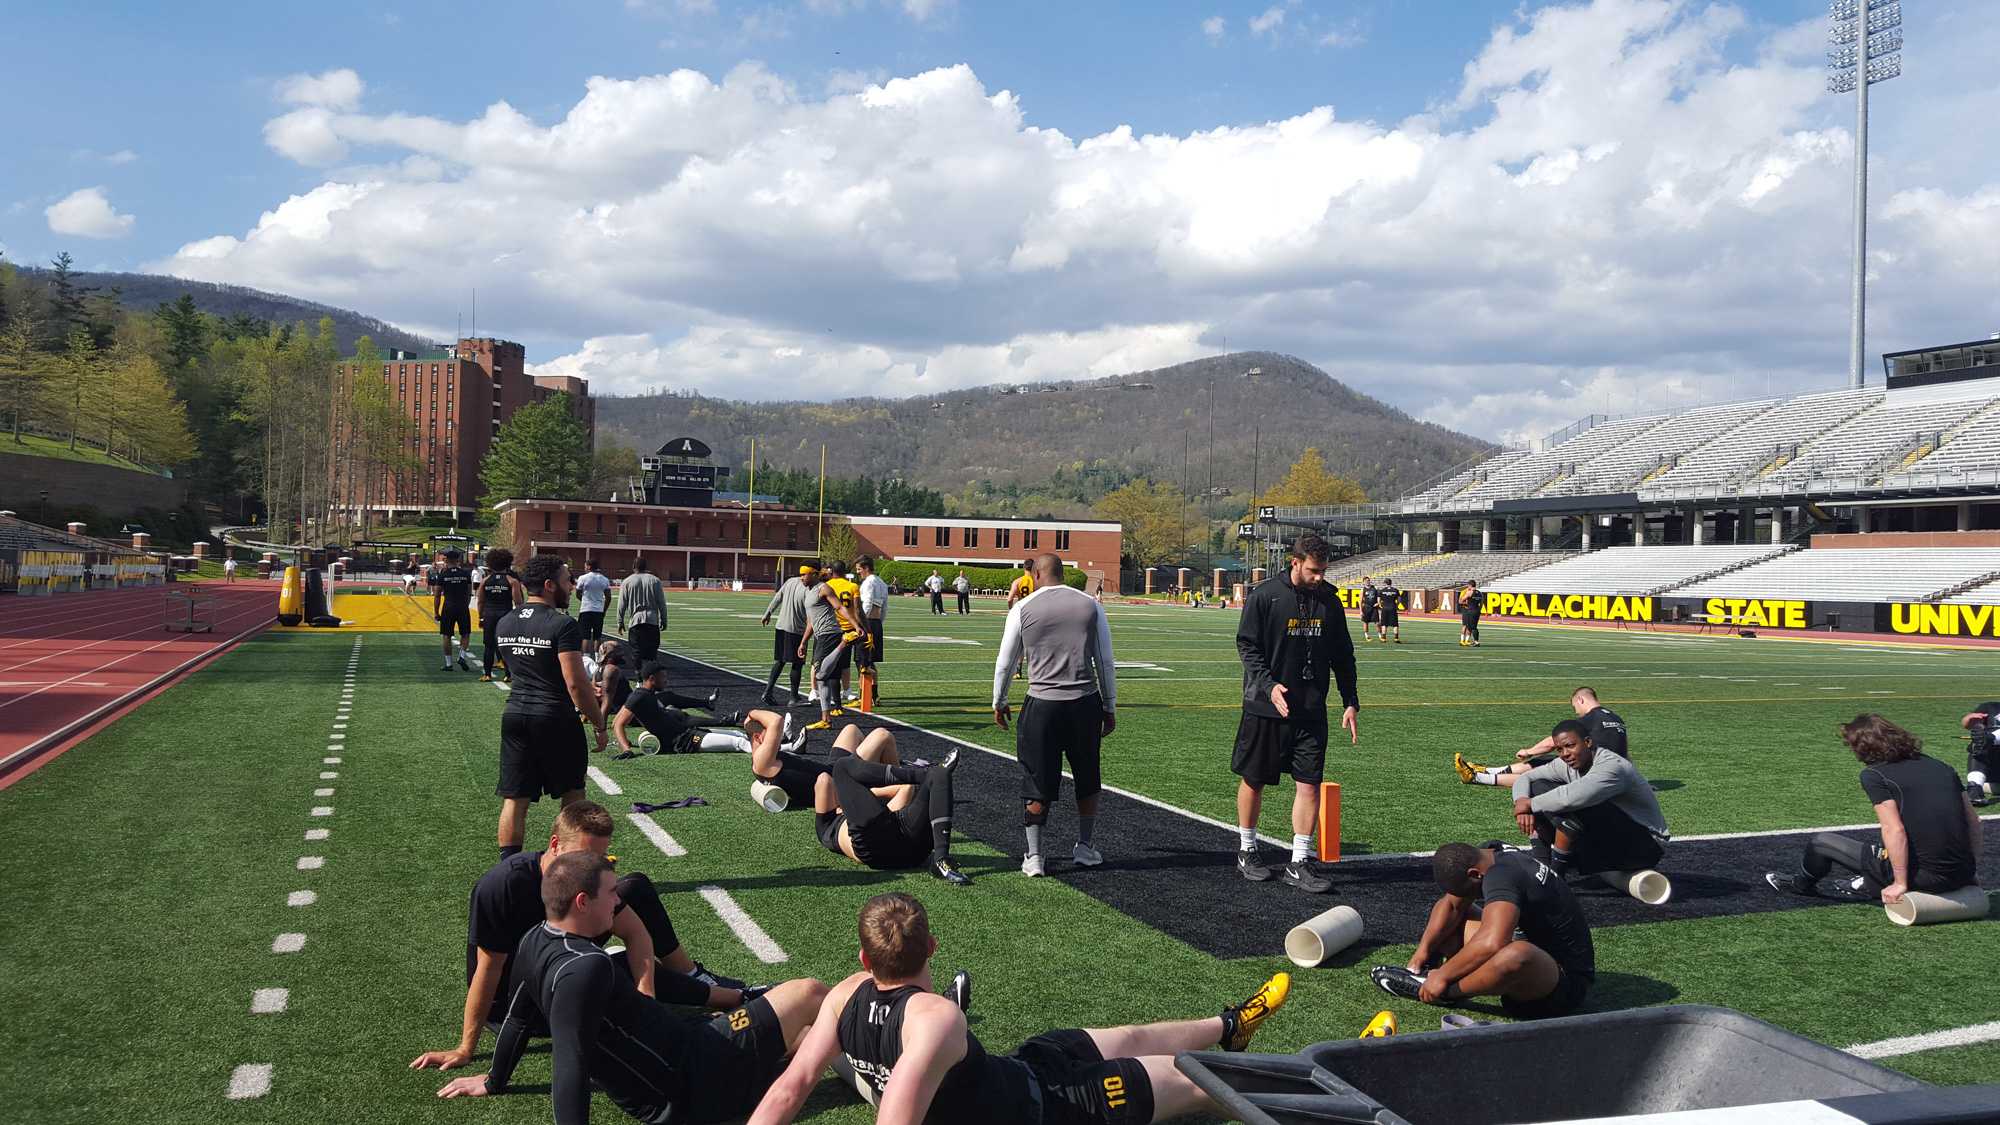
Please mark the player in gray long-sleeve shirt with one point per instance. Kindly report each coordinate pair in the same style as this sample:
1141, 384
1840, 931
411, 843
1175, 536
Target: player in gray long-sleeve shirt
789, 604
1071, 705
1589, 812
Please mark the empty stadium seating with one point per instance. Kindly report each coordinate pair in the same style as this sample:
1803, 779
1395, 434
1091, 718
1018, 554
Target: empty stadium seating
1874, 574
1859, 446
1525, 475
1449, 571
1632, 570
1628, 463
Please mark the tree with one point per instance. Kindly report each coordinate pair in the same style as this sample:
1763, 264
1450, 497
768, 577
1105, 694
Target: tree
66, 311
542, 451
78, 374
24, 374
838, 543
186, 334
1150, 513
1307, 483
611, 467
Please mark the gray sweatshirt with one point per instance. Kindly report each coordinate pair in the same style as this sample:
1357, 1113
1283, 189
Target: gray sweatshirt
1068, 641
642, 600
789, 605
1611, 778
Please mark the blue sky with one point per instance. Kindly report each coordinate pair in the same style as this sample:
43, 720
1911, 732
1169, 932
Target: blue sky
1666, 143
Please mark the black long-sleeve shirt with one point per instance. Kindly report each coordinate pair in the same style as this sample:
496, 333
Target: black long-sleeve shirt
1297, 638
602, 1029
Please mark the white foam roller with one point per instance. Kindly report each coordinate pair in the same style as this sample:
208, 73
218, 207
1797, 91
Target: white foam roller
1649, 887
1312, 942
647, 742
770, 796
1967, 904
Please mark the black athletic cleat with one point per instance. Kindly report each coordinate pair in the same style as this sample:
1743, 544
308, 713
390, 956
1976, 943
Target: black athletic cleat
1397, 981
1793, 884
766, 700
943, 869
733, 719
959, 991
712, 697
1976, 793
949, 762
1302, 876
713, 979
1250, 866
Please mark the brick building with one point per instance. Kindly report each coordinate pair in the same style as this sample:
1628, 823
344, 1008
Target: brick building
720, 543
458, 397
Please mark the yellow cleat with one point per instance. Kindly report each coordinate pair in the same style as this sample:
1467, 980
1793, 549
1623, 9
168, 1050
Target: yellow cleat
821, 725
1467, 771
1240, 1021
1381, 1027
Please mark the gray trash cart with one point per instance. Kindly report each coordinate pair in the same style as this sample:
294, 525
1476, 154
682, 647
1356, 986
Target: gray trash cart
1596, 1066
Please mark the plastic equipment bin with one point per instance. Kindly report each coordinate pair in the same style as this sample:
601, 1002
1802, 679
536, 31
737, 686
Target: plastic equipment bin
1608, 1065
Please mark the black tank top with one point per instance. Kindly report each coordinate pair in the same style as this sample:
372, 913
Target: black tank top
977, 1090
496, 594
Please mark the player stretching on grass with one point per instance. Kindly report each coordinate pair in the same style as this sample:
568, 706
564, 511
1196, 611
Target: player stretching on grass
834, 628
1589, 812
507, 903
1601, 725
888, 816
664, 715
1293, 640
913, 1049
1930, 835
653, 1062
1469, 947
1982, 763
541, 746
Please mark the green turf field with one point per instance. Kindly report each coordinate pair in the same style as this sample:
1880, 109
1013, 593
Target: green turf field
152, 865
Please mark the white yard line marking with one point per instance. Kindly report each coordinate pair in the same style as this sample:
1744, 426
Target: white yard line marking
323, 792
311, 862
251, 1080
301, 898
328, 775
330, 761
1911, 1044
322, 810
288, 943
335, 737
268, 1001
604, 781
340, 726
657, 835
502, 686
744, 927
318, 833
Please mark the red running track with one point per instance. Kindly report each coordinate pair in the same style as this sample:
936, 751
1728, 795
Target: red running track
71, 663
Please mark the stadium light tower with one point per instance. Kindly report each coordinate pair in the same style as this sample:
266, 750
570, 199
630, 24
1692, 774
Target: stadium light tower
1867, 41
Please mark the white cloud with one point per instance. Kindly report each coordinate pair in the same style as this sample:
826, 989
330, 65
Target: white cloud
333, 89
1269, 22
923, 10
1626, 201
1214, 27
87, 213
122, 156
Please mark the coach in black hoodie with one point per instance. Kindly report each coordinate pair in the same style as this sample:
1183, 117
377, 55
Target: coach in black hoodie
1293, 641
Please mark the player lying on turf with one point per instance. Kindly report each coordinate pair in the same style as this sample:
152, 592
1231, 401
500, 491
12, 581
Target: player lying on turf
1470, 947
1589, 812
1601, 723
888, 817
913, 1049
506, 904
1930, 835
664, 714
775, 759
1982, 758
655, 1063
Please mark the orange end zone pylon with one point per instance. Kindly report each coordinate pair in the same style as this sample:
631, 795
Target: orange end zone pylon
1329, 822
868, 690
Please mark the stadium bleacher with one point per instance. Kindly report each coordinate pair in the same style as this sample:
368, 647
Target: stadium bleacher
1892, 429
1529, 474
1627, 464
1756, 443
1633, 570
1456, 569
1874, 574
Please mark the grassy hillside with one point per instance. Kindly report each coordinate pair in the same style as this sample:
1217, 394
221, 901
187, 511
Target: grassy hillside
1075, 441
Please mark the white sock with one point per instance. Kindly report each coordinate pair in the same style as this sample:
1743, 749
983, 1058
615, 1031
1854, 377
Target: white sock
1247, 838
1974, 777
1489, 777
1301, 847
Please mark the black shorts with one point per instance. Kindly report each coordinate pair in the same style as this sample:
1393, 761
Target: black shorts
1368, 614
1390, 615
1568, 996
1049, 730
826, 826
1081, 1087
1267, 747
796, 776
785, 647
876, 654
1603, 837
455, 617
733, 1060
541, 754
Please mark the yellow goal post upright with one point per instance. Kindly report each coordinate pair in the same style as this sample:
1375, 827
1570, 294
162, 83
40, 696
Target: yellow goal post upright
750, 519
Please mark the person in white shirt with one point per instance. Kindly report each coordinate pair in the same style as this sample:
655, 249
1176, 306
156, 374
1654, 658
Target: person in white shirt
935, 585
874, 608
229, 569
963, 588
592, 588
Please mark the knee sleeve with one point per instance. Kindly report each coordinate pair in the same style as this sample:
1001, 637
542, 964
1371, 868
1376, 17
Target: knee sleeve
1033, 819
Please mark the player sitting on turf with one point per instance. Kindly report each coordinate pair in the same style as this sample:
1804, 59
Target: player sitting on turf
1982, 761
664, 714
913, 1049
1589, 812
506, 903
654, 1063
1389, 603
1930, 835
1469, 947
1601, 723
888, 817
